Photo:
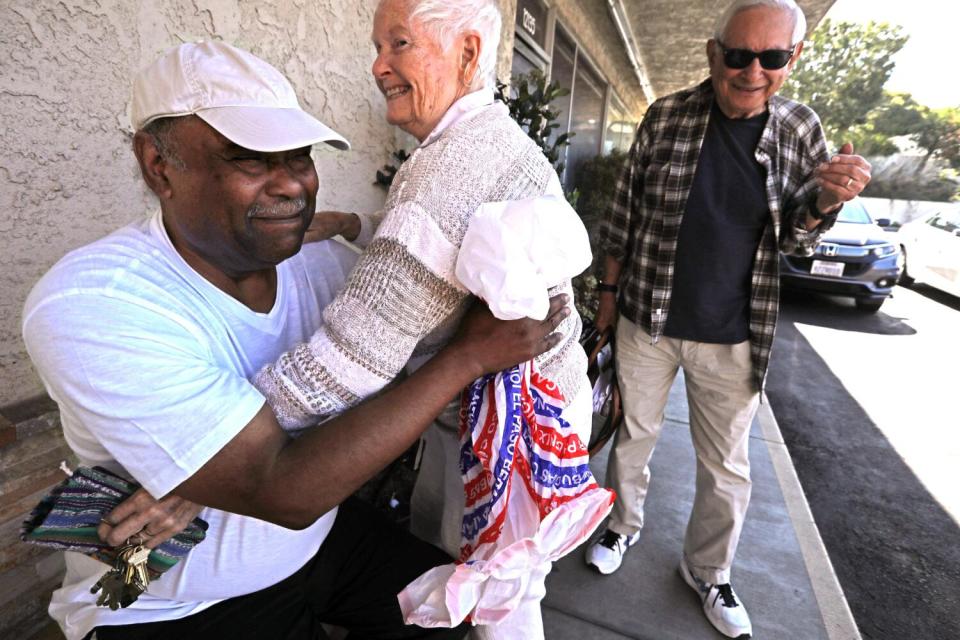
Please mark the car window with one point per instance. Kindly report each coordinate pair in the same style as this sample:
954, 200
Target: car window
948, 221
854, 212
951, 221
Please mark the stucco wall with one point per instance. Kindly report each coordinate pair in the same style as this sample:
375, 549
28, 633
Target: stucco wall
67, 175
508, 10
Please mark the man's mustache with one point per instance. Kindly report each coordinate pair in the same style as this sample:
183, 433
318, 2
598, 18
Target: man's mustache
285, 209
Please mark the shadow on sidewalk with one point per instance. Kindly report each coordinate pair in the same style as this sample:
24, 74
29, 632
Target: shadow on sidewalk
834, 312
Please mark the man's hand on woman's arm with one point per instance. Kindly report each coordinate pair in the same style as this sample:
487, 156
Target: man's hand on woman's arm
346, 451
265, 474
327, 224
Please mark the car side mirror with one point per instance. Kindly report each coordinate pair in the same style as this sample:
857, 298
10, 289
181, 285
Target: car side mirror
883, 222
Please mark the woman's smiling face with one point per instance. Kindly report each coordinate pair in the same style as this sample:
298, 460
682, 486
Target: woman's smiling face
418, 78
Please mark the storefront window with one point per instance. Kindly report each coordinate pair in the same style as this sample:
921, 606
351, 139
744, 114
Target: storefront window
525, 60
584, 111
620, 131
561, 71
580, 112
586, 120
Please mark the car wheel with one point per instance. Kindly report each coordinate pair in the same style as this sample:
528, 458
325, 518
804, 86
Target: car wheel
904, 280
869, 305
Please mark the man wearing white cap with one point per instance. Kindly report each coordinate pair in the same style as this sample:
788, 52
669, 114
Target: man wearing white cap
147, 339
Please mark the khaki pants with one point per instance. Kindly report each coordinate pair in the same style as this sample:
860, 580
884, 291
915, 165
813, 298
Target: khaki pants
723, 402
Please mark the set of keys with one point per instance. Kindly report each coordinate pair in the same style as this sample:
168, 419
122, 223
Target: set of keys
123, 584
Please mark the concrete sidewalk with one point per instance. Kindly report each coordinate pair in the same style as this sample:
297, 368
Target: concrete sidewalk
782, 571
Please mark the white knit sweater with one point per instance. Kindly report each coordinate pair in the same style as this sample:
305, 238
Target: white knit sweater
402, 302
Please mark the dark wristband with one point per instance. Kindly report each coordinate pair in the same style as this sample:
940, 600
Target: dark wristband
612, 288
816, 214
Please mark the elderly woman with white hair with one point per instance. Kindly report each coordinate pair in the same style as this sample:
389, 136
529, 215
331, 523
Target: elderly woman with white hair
435, 66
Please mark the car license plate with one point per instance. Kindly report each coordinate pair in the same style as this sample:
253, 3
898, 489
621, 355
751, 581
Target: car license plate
824, 268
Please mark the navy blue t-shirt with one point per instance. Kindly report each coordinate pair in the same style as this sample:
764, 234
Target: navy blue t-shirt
721, 229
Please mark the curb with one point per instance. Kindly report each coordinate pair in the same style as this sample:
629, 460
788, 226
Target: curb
837, 617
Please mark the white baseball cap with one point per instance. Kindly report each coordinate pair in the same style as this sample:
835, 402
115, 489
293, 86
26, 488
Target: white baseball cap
235, 92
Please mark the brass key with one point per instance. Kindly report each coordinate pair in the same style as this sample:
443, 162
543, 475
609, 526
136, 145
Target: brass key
135, 576
123, 584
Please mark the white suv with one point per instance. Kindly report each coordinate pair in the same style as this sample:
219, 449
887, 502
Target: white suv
931, 251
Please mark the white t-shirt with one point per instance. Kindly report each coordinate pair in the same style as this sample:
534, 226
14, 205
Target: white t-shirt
150, 365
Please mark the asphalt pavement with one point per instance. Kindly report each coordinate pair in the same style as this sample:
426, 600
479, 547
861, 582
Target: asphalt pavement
782, 574
867, 404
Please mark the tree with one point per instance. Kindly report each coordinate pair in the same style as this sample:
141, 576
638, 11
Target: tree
841, 75
935, 131
842, 72
939, 134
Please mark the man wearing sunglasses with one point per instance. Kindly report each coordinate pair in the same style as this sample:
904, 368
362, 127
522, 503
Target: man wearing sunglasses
720, 178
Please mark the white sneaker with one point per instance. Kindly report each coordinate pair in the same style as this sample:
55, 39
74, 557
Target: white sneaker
606, 554
721, 605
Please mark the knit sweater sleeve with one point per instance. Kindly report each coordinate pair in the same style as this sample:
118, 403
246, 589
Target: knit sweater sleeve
401, 289
369, 223
403, 298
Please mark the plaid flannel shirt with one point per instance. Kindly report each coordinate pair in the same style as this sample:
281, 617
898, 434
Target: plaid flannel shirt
643, 222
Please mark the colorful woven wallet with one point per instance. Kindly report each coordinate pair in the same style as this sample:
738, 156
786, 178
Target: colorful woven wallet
67, 519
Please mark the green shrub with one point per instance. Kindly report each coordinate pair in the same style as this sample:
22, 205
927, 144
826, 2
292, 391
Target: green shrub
530, 103
596, 182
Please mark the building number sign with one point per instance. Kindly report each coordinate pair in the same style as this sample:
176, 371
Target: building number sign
529, 22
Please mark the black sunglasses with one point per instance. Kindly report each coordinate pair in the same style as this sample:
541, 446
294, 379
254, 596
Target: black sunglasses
770, 59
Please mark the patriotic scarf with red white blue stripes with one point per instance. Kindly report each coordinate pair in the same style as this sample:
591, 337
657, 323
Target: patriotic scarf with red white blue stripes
513, 437
514, 420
